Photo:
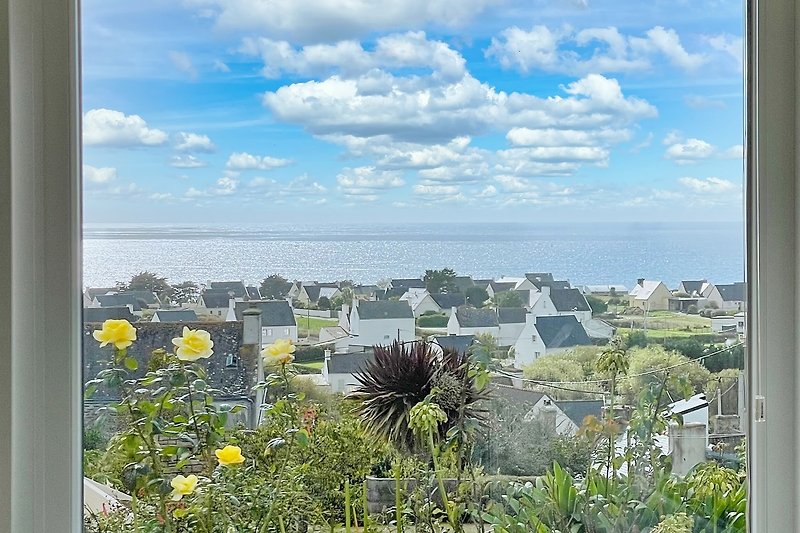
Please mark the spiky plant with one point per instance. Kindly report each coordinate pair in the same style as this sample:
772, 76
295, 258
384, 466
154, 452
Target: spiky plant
403, 375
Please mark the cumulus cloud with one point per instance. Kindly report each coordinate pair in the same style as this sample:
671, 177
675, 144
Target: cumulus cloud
689, 151
186, 161
99, 174
368, 183
193, 142
591, 50
731, 46
245, 161
710, 185
107, 127
315, 21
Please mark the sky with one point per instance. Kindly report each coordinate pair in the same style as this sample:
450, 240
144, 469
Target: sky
259, 111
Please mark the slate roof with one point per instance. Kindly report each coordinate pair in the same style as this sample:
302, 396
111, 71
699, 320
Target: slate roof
552, 284
351, 362
215, 298
232, 382
148, 297
253, 293
539, 276
523, 398
561, 331
273, 312
511, 315
483, 283
567, 300
176, 315
470, 317
365, 290
313, 292
448, 301
691, 287
408, 283
383, 310
501, 286
734, 292
101, 314
237, 287
577, 410
117, 300
459, 343
394, 292
92, 292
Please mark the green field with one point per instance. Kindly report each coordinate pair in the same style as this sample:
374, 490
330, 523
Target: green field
310, 326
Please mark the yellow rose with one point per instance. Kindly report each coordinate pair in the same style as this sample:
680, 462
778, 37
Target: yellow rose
182, 486
229, 455
193, 345
120, 333
279, 352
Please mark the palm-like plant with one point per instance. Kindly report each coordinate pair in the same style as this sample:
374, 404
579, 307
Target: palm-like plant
403, 375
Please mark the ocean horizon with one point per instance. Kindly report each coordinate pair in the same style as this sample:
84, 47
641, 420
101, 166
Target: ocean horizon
581, 252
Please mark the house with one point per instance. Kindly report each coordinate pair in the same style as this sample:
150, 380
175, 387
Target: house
598, 329
615, 289
512, 322
579, 410
366, 292
649, 295
565, 418
310, 294
438, 303
381, 323
458, 343
495, 287
466, 320
237, 288
339, 370
101, 314
545, 335
253, 293
734, 296
712, 295
147, 298
570, 302
118, 300
335, 336
215, 302
277, 319
174, 315
729, 324
692, 288
91, 292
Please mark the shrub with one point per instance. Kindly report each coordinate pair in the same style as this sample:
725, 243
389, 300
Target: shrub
598, 306
432, 321
324, 303
636, 338
309, 354
692, 310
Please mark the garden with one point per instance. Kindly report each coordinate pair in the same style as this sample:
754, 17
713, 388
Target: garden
424, 443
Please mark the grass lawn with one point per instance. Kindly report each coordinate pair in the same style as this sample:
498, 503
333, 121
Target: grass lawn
666, 333
311, 325
314, 365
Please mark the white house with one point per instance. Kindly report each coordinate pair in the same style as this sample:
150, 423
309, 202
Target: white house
119, 300
335, 336
570, 302
467, 320
437, 303
381, 323
734, 296
692, 410
216, 303
174, 315
729, 324
512, 322
649, 295
340, 369
545, 335
277, 319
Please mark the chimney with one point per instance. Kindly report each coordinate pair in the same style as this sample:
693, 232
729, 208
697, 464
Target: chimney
325, 371
251, 341
640, 282
549, 414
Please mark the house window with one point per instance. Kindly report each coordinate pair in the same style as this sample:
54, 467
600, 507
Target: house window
533, 338
231, 360
286, 331
269, 332
537, 354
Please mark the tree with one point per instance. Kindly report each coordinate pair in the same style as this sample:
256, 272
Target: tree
275, 287
440, 281
148, 281
508, 299
324, 303
684, 380
598, 306
185, 292
476, 296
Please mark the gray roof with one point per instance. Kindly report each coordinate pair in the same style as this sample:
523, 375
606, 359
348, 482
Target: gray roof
273, 312
523, 398
350, 363
215, 298
577, 410
459, 343
483, 283
312, 291
692, 286
553, 284
561, 331
462, 283
176, 315
511, 315
253, 293
539, 276
117, 300
148, 297
448, 301
500, 286
91, 292
233, 382
470, 317
408, 283
384, 309
101, 314
567, 300
237, 287
365, 290
734, 292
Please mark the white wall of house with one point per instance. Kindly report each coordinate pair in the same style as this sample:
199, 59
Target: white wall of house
509, 333
712, 295
381, 331
563, 424
657, 301
529, 346
541, 304
581, 316
454, 328
270, 334
425, 304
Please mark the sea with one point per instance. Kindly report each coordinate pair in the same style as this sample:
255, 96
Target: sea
583, 253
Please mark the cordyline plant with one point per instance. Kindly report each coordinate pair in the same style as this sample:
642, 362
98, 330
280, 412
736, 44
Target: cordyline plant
404, 375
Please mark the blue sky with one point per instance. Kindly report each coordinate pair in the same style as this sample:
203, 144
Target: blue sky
421, 110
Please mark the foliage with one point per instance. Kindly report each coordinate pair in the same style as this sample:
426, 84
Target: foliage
148, 281
508, 299
692, 310
476, 296
185, 292
403, 375
485, 347
598, 306
274, 287
433, 320
440, 281
636, 338
557, 368
689, 377
93, 437
324, 303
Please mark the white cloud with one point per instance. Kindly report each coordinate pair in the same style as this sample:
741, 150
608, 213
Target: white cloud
734, 152
672, 137
106, 127
591, 50
225, 187
315, 21
99, 174
566, 137
490, 191
183, 63
160, 196
730, 45
368, 182
436, 190
193, 142
703, 102
245, 161
186, 161
710, 185
220, 66
690, 151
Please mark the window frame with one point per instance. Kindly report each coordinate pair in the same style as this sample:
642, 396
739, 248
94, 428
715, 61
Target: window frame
40, 343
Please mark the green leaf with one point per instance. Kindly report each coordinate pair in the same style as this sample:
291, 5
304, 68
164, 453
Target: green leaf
131, 363
199, 385
302, 438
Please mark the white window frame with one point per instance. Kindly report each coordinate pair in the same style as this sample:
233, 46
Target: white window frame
40, 367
